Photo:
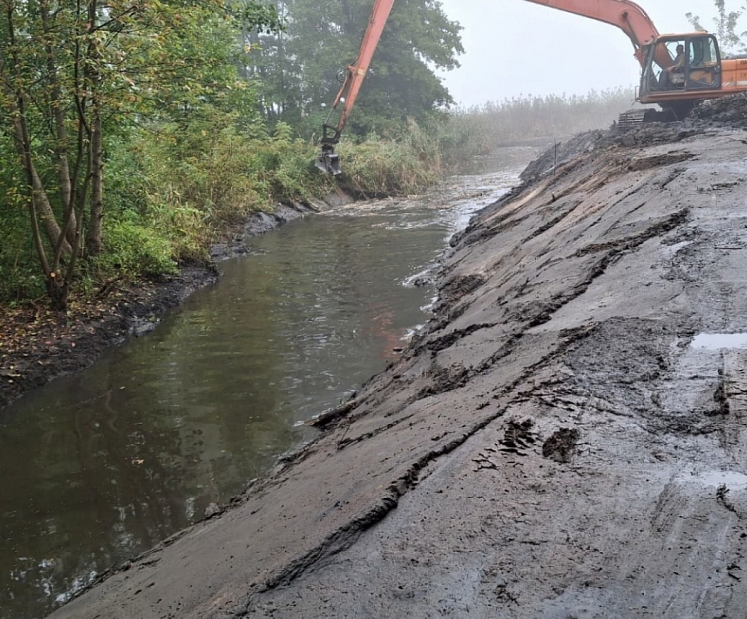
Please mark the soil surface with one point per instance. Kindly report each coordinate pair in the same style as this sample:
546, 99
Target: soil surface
38, 344
557, 443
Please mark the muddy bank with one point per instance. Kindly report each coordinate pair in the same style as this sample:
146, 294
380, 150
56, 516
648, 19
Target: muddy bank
557, 443
38, 345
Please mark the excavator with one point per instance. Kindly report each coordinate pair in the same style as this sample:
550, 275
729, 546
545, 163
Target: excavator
677, 70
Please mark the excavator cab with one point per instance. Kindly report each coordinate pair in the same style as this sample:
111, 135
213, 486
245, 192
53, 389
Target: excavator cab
679, 64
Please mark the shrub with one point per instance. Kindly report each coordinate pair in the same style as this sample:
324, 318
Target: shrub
378, 167
134, 249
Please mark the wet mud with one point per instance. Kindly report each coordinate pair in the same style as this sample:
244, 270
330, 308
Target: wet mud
553, 444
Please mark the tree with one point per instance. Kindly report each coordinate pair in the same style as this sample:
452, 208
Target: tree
323, 38
69, 68
727, 23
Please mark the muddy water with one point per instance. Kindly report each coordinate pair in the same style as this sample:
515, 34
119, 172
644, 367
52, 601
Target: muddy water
100, 466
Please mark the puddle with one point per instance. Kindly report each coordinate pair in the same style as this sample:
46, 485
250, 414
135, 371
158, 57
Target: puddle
720, 478
716, 341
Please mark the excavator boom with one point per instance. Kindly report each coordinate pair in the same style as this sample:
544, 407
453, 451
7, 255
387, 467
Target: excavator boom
627, 16
328, 161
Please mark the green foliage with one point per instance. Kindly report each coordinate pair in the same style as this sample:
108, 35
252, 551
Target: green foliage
727, 23
379, 167
19, 268
222, 172
134, 248
72, 71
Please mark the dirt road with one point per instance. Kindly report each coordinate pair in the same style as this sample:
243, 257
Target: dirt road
559, 444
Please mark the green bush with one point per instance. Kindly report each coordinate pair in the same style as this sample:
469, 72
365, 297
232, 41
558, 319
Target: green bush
392, 167
133, 249
225, 174
19, 268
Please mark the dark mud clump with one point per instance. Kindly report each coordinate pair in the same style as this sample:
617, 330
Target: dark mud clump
561, 445
731, 111
518, 437
262, 222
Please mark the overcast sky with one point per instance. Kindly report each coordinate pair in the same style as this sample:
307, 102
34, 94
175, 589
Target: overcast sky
514, 47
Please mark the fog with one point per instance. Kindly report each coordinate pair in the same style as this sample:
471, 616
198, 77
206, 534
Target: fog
514, 47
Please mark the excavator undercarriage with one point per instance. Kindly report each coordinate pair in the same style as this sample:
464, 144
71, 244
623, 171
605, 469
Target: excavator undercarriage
636, 117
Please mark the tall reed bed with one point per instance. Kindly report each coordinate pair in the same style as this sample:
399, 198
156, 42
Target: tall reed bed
377, 167
480, 129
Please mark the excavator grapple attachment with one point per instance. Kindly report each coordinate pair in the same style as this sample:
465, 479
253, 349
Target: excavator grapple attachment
329, 162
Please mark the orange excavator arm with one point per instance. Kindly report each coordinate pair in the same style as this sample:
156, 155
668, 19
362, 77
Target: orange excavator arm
626, 15
328, 161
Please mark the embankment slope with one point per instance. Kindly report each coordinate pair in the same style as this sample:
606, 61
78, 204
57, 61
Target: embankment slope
553, 446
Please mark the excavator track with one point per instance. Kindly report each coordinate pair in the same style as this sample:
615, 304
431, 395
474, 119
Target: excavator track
631, 120
635, 118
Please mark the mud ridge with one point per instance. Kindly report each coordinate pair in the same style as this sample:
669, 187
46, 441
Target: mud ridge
448, 340
345, 536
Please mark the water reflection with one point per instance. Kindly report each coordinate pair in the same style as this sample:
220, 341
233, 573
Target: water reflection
102, 465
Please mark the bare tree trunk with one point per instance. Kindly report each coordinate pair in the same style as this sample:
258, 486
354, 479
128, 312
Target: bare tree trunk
57, 286
39, 198
93, 238
95, 169
58, 115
